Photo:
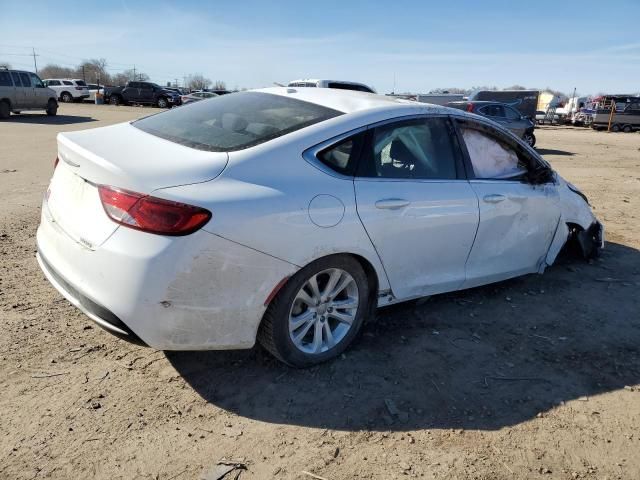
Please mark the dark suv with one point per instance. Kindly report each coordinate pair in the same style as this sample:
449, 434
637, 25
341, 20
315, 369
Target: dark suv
503, 114
142, 93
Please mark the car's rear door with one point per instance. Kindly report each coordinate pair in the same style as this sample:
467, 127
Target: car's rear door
29, 90
518, 218
416, 205
20, 97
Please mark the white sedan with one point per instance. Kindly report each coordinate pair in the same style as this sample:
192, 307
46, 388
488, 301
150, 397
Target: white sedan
287, 215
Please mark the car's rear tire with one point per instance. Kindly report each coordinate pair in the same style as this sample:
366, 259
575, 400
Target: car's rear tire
627, 129
66, 97
114, 100
318, 313
52, 108
615, 127
162, 102
530, 139
5, 109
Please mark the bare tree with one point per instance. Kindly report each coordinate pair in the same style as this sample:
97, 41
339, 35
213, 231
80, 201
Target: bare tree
56, 71
515, 87
95, 70
453, 90
198, 82
5, 64
219, 85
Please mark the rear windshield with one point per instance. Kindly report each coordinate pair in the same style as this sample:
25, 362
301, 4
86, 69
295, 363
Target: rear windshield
235, 121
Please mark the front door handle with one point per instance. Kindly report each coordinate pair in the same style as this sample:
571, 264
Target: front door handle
392, 203
494, 198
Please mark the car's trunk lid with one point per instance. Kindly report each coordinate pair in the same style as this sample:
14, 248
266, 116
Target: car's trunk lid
120, 156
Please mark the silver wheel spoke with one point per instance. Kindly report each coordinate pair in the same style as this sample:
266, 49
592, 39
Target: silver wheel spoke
315, 290
298, 338
317, 338
342, 317
305, 298
333, 280
300, 320
328, 334
344, 283
347, 304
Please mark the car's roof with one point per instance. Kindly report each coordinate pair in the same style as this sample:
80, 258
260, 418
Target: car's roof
350, 101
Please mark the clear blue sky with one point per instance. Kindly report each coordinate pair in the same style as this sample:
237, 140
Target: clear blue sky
591, 45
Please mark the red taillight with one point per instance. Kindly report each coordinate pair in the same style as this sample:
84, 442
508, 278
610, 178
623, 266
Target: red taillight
55, 162
470, 107
151, 214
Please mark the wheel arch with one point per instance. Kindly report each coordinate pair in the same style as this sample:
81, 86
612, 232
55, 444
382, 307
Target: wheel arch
7, 100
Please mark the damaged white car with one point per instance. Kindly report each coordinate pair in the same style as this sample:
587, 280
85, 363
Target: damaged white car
287, 215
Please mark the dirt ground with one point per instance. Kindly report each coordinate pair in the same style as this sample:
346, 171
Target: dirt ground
537, 377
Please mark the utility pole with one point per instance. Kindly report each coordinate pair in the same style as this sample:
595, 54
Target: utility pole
83, 75
176, 82
134, 73
35, 65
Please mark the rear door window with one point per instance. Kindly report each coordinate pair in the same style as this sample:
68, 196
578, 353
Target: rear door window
5, 79
235, 121
67, 82
16, 79
81, 83
26, 82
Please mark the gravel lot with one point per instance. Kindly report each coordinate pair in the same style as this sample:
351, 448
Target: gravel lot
537, 377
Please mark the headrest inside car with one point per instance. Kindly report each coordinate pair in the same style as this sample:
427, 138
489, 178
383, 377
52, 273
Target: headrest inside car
233, 122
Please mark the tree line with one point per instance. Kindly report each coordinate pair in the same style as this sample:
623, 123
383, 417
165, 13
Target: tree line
96, 71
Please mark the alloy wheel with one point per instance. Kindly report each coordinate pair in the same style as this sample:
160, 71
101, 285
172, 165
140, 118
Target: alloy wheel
323, 311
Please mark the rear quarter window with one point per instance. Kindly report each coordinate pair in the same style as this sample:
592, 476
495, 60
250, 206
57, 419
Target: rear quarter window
235, 121
5, 79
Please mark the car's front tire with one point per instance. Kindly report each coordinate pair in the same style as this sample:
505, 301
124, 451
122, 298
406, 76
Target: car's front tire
318, 313
52, 108
162, 102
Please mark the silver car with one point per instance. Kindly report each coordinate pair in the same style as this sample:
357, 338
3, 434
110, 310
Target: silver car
21, 90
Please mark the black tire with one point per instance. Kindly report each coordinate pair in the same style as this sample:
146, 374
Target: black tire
52, 108
114, 100
627, 129
66, 97
530, 139
615, 127
163, 102
273, 333
5, 109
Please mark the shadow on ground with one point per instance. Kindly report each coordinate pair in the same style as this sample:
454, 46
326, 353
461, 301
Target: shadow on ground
44, 119
479, 359
551, 151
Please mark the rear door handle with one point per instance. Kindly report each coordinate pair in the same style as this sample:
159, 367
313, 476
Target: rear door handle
494, 198
392, 203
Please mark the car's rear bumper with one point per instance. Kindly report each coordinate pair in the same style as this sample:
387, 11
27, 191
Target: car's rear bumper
196, 292
99, 314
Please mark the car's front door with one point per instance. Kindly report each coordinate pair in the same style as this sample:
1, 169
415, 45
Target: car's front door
40, 93
146, 92
518, 218
416, 206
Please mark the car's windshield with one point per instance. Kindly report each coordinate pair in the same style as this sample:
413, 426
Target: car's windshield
235, 121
